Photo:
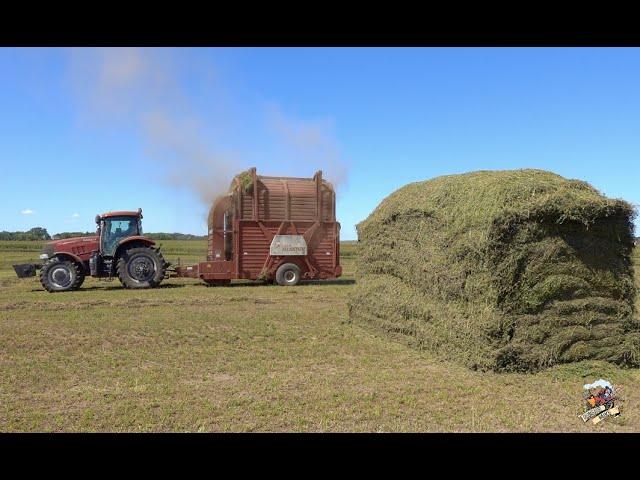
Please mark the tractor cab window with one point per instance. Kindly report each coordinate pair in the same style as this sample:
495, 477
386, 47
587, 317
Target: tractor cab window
114, 230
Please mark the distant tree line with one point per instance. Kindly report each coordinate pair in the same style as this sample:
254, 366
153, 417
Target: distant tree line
174, 236
153, 236
39, 233
36, 233
59, 236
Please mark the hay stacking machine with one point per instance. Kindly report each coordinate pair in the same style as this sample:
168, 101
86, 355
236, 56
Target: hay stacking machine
275, 229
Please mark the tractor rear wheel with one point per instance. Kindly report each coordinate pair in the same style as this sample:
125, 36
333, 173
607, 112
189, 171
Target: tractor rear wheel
61, 275
142, 267
288, 274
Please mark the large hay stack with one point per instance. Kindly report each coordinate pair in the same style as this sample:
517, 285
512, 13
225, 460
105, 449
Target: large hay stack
506, 270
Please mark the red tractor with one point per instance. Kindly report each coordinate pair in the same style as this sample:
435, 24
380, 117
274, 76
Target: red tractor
118, 249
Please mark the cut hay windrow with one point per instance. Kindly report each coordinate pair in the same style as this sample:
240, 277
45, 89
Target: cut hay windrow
506, 270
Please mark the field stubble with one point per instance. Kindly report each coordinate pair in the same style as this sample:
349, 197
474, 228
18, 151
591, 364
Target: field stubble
187, 357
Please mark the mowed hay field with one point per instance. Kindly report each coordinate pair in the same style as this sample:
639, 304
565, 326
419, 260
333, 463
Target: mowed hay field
187, 357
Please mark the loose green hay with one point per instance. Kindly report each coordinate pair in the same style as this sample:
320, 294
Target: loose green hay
246, 181
504, 270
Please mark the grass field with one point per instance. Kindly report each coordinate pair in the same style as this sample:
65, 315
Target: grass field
186, 357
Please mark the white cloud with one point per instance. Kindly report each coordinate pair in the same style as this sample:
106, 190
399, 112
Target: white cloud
28, 211
75, 215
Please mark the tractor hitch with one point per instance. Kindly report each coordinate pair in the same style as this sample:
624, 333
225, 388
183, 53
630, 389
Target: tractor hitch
26, 270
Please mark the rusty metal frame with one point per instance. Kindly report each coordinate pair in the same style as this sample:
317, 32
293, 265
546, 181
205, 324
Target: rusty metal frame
287, 207
254, 178
236, 244
318, 179
269, 237
312, 226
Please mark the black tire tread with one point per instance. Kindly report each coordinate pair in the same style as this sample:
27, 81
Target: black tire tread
281, 271
79, 278
121, 268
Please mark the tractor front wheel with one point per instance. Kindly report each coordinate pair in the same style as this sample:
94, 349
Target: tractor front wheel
61, 275
141, 267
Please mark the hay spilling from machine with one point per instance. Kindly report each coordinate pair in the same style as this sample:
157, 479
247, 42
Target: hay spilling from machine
503, 270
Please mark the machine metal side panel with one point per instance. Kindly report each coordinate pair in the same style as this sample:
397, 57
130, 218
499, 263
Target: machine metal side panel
293, 245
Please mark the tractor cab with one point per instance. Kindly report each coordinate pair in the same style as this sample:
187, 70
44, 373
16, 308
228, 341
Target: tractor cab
113, 227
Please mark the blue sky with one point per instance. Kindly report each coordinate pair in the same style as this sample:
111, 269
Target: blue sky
373, 119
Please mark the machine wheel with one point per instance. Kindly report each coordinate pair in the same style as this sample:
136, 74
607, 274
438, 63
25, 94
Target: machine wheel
141, 267
288, 274
61, 275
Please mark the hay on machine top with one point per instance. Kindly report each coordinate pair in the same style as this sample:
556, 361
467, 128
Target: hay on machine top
503, 270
